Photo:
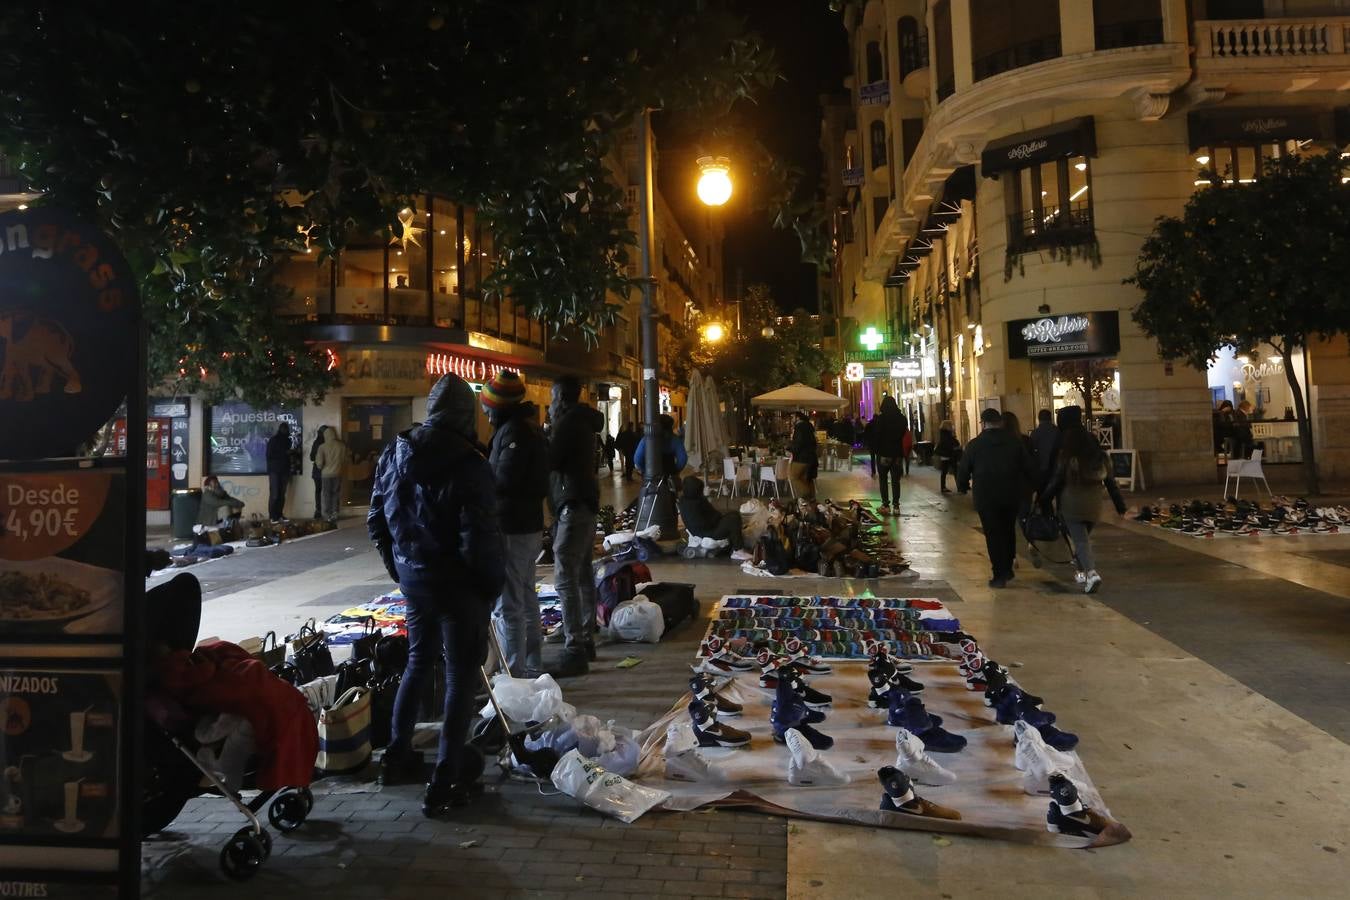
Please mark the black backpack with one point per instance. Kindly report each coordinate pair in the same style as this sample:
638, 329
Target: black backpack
774, 555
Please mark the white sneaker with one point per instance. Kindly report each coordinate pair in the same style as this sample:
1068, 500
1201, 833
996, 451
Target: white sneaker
683, 761
695, 542
707, 543
1091, 581
1037, 760
914, 761
807, 767
1080, 577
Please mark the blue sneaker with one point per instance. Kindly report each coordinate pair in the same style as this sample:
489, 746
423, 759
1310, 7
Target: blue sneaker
1059, 740
1011, 704
1068, 814
818, 740
788, 710
897, 714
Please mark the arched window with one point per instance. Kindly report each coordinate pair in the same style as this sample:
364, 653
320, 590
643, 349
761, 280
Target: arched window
877, 130
913, 46
875, 69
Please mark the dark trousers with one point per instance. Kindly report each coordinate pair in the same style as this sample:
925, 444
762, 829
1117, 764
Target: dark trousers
728, 528
999, 521
318, 494
889, 468
276, 494
945, 468
462, 640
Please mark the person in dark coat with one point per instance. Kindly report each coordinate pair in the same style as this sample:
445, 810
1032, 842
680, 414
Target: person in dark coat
574, 494
1243, 441
433, 519
1045, 439
1002, 469
608, 453
702, 519
626, 443
315, 472
1080, 473
805, 457
278, 471
948, 453
888, 445
518, 454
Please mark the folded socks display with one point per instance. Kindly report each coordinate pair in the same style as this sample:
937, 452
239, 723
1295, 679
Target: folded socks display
806, 767
899, 797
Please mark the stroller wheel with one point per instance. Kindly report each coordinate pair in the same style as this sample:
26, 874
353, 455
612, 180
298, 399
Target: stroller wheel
242, 856
288, 811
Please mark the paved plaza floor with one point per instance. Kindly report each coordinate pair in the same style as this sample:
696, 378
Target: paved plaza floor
1207, 679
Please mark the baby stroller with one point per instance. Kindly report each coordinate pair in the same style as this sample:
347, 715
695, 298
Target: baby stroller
174, 768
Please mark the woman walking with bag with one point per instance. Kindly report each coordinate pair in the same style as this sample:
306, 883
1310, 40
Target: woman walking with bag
1081, 471
948, 452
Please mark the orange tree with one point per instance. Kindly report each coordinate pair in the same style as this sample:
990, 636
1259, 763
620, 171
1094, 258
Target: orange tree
1246, 264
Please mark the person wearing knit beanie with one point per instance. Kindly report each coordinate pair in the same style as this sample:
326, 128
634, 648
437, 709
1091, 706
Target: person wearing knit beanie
503, 390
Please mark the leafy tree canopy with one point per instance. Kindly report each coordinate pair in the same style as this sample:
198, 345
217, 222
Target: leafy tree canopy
1265, 262
212, 139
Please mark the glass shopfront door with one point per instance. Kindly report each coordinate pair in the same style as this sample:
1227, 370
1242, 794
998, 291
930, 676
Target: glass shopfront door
368, 424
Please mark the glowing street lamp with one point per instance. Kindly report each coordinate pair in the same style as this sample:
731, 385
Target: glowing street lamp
714, 332
714, 184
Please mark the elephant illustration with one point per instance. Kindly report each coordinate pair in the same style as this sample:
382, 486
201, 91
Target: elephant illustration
32, 350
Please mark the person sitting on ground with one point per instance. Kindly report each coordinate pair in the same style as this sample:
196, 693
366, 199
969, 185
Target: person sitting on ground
674, 457
702, 519
218, 507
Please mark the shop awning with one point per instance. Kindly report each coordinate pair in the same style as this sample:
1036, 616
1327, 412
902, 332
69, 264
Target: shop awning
1260, 126
1077, 137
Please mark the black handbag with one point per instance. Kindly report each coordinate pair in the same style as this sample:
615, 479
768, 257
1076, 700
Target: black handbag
364, 646
353, 673
383, 691
309, 654
1038, 526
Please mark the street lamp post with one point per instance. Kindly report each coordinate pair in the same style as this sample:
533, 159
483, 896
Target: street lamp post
657, 506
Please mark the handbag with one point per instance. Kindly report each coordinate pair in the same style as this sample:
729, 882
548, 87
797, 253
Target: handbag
364, 646
310, 654
344, 733
383, 692
354, 673
1038, 526
270, 656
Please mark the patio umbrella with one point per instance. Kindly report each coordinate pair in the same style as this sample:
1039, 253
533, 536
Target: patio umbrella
717, 423
798, 396
695, 430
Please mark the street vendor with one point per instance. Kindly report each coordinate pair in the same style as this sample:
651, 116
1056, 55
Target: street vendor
217, 505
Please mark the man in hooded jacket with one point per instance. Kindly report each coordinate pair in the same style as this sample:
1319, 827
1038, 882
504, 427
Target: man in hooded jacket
888, 446
574, 494
433, 518
278, 471
519, 457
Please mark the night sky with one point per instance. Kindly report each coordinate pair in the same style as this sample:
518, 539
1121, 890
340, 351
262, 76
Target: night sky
811, 49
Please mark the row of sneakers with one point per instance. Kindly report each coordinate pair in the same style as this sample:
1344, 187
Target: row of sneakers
780, 602
1008, 700
894, 691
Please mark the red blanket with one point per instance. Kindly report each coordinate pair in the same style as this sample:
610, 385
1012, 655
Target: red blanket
222, 677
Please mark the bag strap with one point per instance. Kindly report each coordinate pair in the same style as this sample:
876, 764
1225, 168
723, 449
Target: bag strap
371, 628
273, 636
349, 696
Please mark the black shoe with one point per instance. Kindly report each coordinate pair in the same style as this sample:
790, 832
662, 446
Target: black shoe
440, 799
402, 768
572, 665
998, 582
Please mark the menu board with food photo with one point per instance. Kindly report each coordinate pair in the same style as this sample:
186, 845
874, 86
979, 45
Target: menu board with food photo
62, 556
59, 753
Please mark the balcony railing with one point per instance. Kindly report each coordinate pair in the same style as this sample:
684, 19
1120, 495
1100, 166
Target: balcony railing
1272, 38
1130, 34
1054, 227
1018, 55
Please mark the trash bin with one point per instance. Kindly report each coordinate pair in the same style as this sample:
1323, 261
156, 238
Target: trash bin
183, 512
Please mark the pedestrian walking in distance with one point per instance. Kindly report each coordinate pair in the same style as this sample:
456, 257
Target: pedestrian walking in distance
1076, 484
998, 461
888, 435
433, 519
805, 457
330, 459
519, 457
574, 494
948, 453
278, 471
626, 443
315, 472
1045, 438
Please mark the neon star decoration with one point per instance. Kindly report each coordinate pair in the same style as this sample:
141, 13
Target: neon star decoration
871, 338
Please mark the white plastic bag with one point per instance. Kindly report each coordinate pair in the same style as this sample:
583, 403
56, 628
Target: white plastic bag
524, 700
557, 735
613, 746
638, 619
754, 522
604, 791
